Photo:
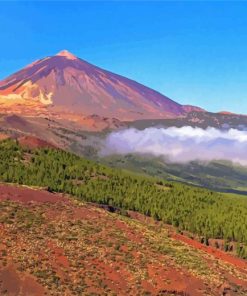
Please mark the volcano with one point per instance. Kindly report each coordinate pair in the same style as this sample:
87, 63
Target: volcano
64, 83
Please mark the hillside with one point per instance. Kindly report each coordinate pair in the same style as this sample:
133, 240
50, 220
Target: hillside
217, 175
223, 176
224, 121
65, 86
95, 230
204, 213
55, 245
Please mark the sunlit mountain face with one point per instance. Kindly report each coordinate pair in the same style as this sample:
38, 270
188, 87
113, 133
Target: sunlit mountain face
66, 84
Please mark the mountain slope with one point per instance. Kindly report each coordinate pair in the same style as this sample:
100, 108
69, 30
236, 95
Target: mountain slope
66, 84
197, 210
67, 247
55, 244
221, 176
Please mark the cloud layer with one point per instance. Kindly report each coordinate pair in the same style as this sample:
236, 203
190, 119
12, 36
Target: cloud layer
180, 144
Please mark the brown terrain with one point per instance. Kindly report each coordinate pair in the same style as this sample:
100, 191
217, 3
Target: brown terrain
33, 143
52, 244
65, 86
3, 136
59, 133
40, 130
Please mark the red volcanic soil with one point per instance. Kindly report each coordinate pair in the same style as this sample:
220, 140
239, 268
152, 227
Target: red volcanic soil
55, 245
33, 143
26, 195
15, 283
30, 142
226, 112
237, 262
179, 281
3, 137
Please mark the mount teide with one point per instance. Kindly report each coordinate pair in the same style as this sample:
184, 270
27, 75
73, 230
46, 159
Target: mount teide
64, 84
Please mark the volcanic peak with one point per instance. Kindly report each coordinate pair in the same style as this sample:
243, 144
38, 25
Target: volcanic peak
65, 53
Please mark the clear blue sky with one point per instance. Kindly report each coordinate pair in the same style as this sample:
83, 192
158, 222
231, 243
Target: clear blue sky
193, 52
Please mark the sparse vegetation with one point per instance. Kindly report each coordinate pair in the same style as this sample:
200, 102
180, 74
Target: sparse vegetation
204, 212
110, 255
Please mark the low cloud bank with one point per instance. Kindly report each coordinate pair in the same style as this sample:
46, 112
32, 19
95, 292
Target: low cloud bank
180, 144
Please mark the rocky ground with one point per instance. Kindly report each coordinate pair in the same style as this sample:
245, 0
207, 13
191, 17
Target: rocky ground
52, 244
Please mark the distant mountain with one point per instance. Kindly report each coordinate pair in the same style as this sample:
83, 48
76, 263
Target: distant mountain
221, 120
63, 84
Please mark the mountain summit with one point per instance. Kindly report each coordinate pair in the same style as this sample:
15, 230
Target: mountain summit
65, 83
65, 53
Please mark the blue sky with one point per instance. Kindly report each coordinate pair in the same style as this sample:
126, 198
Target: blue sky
193, 52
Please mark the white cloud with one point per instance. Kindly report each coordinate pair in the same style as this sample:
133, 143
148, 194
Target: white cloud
180, 144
